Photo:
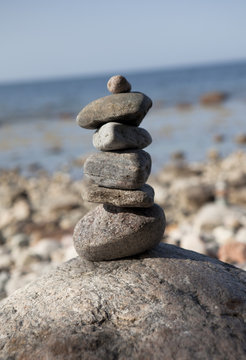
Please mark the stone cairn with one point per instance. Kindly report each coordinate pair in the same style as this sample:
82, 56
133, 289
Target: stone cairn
127, 222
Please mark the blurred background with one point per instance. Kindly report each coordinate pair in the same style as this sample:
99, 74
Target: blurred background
57, 56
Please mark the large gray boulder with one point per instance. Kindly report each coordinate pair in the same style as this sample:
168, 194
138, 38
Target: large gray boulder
168, 303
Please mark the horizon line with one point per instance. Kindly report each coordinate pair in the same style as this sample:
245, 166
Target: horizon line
126, 72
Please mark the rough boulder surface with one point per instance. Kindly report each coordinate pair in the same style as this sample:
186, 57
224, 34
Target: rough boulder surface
168, 303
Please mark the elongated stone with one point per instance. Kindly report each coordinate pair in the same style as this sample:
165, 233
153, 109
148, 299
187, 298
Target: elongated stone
110, 232
119, 169
143, 197
126, 108
116, 136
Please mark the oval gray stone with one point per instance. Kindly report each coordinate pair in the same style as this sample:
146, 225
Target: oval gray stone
119, 169
116, 136
110, 232
143, 197
126, 108
118, 84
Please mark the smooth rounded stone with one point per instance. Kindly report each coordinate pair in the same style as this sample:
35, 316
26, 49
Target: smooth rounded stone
116, 136
110, 232
128, 169
125, 108
118, 84
143, 197
168, 303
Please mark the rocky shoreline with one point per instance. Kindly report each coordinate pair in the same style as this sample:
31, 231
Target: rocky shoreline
205, 206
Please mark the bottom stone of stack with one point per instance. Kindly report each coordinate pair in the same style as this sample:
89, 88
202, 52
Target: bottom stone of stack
110, 232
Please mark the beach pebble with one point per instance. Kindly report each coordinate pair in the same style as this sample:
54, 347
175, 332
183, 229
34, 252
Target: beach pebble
177, 155
222, 235
191, 193
121, 170
44, 248
118, 84
233, 252
236, 178
238, 195
126, 108
192, 241
25, 259
143, 197
241, 139
110, 232
2, 239
213, 98
232, 221
21, 210
218, 138
5, 261
4, 277
116, 136
161, 193
241, 235
210, 216
20, 240
213, 154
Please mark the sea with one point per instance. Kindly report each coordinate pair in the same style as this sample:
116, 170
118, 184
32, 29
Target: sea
38, 128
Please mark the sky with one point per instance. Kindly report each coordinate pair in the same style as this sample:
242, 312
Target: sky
42, 39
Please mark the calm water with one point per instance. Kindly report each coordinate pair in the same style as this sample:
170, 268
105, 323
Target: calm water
37, 126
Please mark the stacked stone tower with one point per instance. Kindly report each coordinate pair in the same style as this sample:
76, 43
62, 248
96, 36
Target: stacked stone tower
127, 222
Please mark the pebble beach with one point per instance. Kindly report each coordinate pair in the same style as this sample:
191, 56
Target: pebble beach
204, 203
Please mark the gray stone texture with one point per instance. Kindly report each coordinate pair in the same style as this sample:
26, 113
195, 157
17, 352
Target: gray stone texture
110, 232
116, 136
167, 304
126, 108
143, 197
119, 169
118, 84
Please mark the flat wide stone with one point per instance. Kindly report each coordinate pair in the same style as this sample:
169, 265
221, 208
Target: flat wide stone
116, 136
168, 303
110, 232
119, 169
143, 197
126, 108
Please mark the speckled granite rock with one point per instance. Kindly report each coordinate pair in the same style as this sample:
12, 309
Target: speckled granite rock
118, 84
116, 136
167, 304
143, 197
110, 232
119, 169
126, 108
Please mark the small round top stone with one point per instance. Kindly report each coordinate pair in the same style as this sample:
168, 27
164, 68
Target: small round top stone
118, 84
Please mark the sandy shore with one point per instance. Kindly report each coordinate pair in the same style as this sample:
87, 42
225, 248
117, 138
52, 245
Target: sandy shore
205, 205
